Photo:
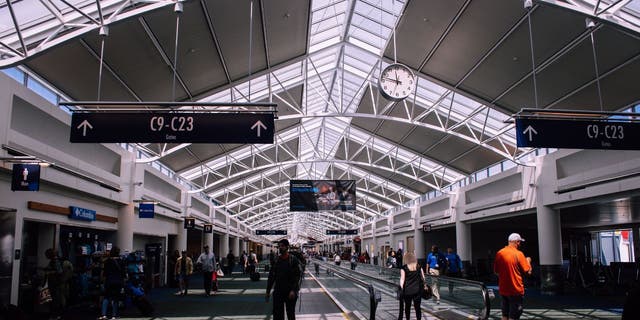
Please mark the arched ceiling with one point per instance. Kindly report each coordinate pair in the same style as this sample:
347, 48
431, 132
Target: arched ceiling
319, 61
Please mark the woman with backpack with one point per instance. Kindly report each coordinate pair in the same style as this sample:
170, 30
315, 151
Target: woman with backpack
113, 275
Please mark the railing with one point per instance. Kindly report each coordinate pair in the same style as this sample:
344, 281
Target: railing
374, 295
468, 298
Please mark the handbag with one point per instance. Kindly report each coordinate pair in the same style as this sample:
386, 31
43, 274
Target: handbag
426, 292
220, 273
44, 294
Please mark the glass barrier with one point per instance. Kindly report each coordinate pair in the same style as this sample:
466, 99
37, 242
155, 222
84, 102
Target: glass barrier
459, 298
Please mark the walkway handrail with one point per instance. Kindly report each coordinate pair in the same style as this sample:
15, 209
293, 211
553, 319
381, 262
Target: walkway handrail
483, 313
374, 296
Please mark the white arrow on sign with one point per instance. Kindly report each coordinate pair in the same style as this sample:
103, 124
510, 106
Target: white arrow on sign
259, 125
83, 125
530, 131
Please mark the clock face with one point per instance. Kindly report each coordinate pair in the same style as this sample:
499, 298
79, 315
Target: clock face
396, 82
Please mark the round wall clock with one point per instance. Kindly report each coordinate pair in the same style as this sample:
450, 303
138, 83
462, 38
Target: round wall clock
396, 82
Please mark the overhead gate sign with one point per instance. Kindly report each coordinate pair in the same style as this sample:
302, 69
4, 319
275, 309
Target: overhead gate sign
172, 127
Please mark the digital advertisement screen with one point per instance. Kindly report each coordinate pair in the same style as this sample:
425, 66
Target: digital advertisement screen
322, 195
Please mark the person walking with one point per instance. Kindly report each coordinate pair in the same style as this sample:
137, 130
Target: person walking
454, 267
411, 284
354, 260
184, 269
113, 275
436, 264
53, 278
207, 260
231, 262
511, 265
399, 256
284, 278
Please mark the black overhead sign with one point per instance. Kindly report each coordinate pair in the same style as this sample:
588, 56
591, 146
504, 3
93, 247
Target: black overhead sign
26, 177
190, 223
577, 134
271, 232
342, 231
171, 127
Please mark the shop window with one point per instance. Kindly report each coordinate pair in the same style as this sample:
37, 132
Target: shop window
612, 246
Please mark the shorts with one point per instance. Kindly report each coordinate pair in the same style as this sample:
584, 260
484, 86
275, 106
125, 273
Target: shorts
512, 306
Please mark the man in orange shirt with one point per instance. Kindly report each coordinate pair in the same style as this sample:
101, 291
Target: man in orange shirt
510, 265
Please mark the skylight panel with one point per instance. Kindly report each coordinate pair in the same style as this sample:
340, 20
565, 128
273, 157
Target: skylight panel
355, 71
224, 95
324, 44
328, 23
364, 45
361, 55
289, 72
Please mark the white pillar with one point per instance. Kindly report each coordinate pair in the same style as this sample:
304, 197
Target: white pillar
418, 237
549, 230
235, 246
463, 230
124, 235
208, 240
181, 239
225, 245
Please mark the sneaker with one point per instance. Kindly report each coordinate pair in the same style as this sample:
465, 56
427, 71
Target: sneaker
437, 301
114, 318
102, 318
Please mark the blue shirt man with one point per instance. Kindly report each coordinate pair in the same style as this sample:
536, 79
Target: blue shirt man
454, 264
436, 263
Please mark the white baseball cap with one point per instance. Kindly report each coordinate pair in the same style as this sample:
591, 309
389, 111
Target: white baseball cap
515, 237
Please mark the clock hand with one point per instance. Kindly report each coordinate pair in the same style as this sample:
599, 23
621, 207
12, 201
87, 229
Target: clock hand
390, 79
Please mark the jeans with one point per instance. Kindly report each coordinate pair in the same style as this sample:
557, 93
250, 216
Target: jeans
105, 306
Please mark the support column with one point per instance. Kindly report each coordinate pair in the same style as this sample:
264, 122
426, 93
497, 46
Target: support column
225, 245
463, 232
550, 244
207, 240
235, 246
549, 229
124, 235
418, 237
181, 239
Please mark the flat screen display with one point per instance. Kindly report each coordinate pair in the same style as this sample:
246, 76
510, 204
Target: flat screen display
322, 195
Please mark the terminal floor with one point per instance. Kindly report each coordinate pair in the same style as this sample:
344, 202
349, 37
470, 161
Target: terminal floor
239, 298
568, 306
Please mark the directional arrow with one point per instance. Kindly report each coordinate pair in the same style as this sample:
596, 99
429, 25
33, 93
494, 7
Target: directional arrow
84, 124
259, 125
531, 131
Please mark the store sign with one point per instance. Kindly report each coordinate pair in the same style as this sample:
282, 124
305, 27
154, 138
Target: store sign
426, 227
190, 223
208, 228
78, 213
26, 177
146, 210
